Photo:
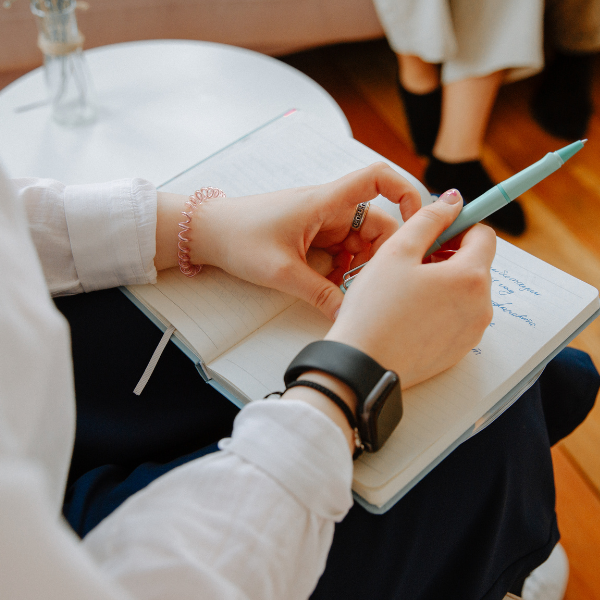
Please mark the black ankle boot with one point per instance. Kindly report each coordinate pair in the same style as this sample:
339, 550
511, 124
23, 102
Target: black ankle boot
472, 180
423, 112
562, 105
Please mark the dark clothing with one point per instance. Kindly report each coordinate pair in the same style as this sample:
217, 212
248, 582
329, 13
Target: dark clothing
479, 523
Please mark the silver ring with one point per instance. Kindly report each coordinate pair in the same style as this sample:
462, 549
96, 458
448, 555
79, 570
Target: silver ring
359, 216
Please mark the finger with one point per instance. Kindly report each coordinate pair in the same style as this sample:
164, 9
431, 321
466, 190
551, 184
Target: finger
368, 183
320, 261
477, 246
456, 242
376, 224
418, 233
380, 229
377, 227
440, 256
341, 265
361, 258
316, 290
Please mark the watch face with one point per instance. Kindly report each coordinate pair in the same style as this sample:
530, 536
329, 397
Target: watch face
381, 412
389, 417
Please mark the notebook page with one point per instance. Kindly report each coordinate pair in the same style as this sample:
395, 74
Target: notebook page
535, 307
285, 154
213, 310
256, 365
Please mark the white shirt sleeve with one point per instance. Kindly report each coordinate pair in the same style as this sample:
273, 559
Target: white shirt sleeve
91, 237
254, 521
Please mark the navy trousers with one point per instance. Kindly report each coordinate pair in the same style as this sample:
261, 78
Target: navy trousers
474, 528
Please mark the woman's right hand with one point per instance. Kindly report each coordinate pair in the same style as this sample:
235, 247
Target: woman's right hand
417, 318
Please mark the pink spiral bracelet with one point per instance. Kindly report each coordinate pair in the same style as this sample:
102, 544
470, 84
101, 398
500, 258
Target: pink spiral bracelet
183, 254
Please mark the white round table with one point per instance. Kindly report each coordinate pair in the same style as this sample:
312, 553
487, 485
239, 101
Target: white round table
163, 106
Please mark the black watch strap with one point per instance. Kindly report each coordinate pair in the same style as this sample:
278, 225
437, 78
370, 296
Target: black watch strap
355, 368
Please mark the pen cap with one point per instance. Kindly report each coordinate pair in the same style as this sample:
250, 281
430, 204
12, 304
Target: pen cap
517, 184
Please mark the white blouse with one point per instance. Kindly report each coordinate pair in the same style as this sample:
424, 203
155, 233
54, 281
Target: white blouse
254, 520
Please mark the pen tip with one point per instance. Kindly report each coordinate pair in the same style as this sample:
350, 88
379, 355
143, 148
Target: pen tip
584, 141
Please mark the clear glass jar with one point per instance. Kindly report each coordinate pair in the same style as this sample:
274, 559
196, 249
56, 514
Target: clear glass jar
67, 76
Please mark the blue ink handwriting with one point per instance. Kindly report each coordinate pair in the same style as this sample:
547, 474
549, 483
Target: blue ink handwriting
504, 290
522, 286
505, 309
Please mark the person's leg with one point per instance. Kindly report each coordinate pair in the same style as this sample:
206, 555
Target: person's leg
475, 526
562, 104
466, 108
569, 386
448, 124
478, 43
483, 519
455, 162
177, 412
95, 495
416, 75
419, 87
480, 521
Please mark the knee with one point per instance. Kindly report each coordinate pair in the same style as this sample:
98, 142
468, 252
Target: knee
569, 386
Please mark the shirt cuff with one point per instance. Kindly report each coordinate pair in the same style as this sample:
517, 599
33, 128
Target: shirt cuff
301, 448
112, 230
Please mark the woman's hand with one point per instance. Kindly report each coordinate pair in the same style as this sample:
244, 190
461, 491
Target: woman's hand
420, 319
265, 238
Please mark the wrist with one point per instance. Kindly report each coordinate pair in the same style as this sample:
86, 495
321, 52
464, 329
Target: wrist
168, 216
321, 402
377, 389
363, 338
188, 218
206, 232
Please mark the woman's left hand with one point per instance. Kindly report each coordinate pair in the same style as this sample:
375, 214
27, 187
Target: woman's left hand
265, 238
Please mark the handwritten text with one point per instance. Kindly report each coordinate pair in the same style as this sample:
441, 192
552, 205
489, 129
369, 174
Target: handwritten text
508, 277
505, 308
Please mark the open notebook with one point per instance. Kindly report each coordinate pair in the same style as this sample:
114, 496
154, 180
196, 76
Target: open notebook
242, 336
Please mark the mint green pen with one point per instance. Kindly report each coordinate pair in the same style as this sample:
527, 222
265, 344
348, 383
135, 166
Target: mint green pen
494, 199
503, 193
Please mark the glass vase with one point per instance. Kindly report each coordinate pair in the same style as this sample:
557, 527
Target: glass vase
67, 76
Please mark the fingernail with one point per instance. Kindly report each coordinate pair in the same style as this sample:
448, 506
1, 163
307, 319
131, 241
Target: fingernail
335, 314
451, 197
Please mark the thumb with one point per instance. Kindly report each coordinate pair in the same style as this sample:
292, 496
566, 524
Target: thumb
426, 225
317, 291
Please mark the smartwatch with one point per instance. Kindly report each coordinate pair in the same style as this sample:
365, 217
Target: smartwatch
379, 399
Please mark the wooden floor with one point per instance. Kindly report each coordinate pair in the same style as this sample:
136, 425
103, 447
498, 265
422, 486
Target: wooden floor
563, 215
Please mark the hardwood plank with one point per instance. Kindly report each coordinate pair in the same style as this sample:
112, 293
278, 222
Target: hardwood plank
367, 125
573, 192
583, 448
578, 509
372, 70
